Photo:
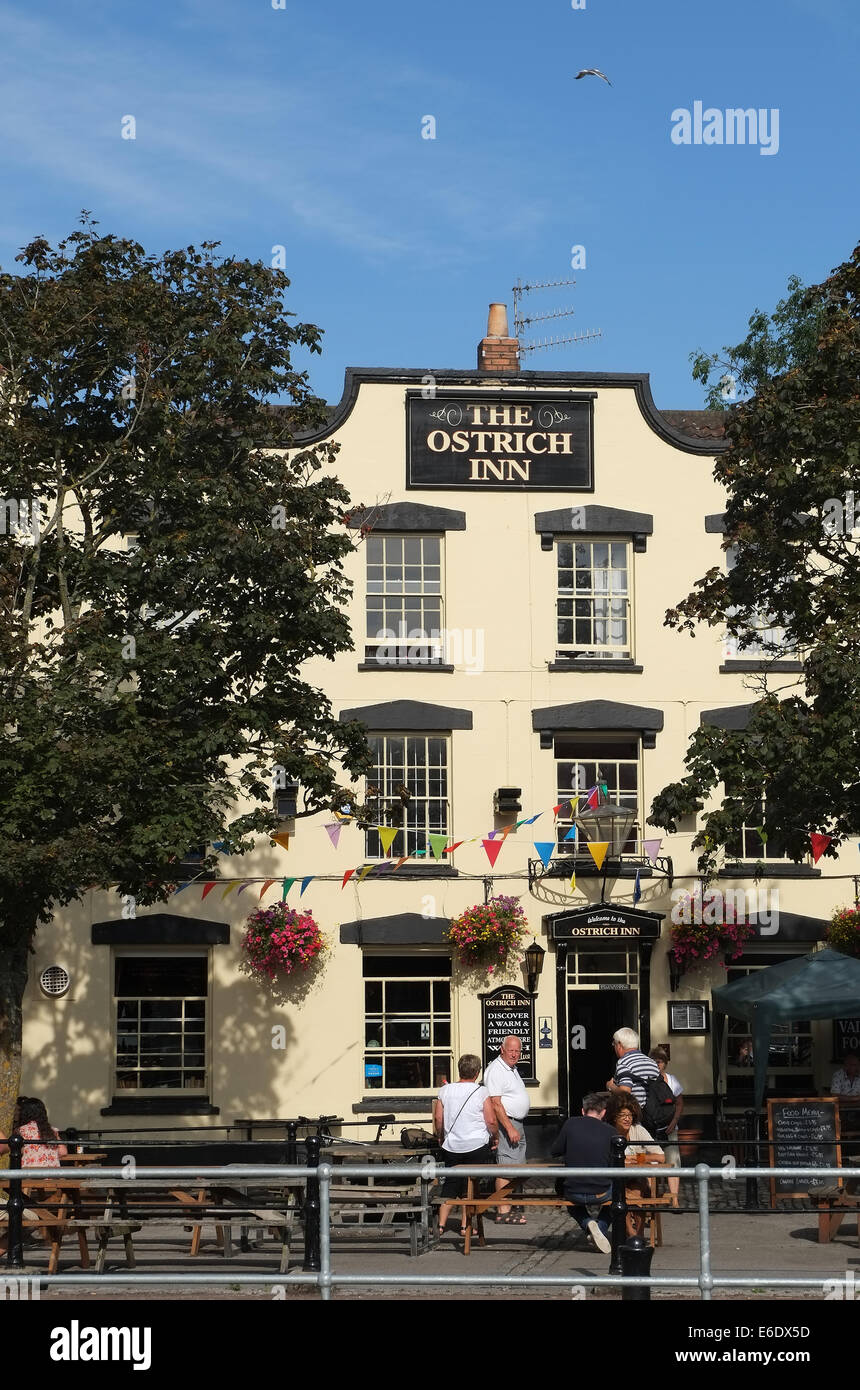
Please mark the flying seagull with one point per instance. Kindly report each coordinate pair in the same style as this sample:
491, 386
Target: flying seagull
592, 72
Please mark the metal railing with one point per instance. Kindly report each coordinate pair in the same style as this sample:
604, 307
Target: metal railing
317, 1210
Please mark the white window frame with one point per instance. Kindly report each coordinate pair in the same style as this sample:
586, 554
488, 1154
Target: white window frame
412, 835
602, 744
418, 645
610, 650
375, 1018
162, 953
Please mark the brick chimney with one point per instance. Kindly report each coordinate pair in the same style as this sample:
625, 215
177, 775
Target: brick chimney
497, 352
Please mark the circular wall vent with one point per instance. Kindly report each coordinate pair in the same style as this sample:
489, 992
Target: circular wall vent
55, 980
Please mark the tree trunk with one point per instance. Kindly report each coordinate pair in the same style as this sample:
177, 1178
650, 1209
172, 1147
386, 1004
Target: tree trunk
13, 978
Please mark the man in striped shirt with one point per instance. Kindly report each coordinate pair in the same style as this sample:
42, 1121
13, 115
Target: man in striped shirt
632, 1068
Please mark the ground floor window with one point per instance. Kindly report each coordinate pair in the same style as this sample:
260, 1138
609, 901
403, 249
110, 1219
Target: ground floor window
407, 1022
160, 1008
790, 1059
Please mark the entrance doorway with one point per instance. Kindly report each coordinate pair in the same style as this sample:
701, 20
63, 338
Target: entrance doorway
593, 1015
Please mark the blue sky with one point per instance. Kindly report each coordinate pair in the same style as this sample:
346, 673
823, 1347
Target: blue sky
301, 127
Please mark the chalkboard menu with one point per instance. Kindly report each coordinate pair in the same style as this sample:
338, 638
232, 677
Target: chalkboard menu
804, 1133
509, 1012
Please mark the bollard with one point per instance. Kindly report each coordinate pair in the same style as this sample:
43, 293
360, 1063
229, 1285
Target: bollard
617, 1148
292, 1146
751, 1157
635, 1260
15, 1208
312, 1207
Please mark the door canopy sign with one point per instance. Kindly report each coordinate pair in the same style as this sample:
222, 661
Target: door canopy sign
509, 1012
511, 442
606, 920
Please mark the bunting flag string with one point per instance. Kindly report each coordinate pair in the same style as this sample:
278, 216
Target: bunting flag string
546, 849
387, 835
229, 889
333, 830
437, 844
282, 839
492, 848
637, 889
305, 882
819, 844
652, 849
347, 876
368, 869
207, 889
266, 886
597, 849
573, 883
288, 883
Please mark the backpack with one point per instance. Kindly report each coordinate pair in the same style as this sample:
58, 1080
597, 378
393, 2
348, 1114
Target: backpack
659, 1108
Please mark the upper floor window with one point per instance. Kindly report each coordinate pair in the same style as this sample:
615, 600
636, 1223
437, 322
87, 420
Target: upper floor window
404, 600
161, 1019
769, 639
408, 788
593, 603
748, 844
583, 763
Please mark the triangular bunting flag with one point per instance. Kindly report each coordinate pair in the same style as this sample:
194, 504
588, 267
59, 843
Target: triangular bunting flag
819, 844
347, 876
572, 888
218, 845
368, 869
401, 861
305, 882
207, 888
531, 820
437, 844
637, 889
545, 849
594, 798
179, 889
492, 847
572, 833
333, 830
229, 889
597, 850
652, 849
387, 835
449, 849
507, 831
245, 885
491, 834
561, 809
282, 839
288, 883
266, 886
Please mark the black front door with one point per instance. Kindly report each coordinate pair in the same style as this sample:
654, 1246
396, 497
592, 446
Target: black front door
593, 1015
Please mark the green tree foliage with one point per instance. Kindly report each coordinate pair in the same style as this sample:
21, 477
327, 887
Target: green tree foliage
792, 458
157, 612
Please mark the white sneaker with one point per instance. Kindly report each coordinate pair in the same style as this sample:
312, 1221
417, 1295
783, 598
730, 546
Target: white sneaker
598, 1237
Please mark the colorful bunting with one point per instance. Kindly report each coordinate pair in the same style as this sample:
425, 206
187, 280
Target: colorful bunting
545, 849
598, 849
266, 886
492, 847
288, 883
637, 889
762, 834
572, 833
387, 835
652, 849
561, 809
333, 832
368, 869
305, 882
403, 860
572, 888
449, 849
347, 876
207, 888
819, 844
179, 889
244, 886
229, 889
531, 820
437, 844
218, 845
594, 798
282, 839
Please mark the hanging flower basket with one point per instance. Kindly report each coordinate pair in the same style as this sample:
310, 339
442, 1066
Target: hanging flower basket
843, 934
489, 934
281, 939
695, 942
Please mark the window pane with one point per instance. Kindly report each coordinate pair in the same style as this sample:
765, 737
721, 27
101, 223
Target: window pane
158, 975
402, 996
402, 1073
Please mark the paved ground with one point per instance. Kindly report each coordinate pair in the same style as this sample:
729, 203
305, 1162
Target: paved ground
747, 1244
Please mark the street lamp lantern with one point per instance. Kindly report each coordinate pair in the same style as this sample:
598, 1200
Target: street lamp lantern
534, 964
608, 824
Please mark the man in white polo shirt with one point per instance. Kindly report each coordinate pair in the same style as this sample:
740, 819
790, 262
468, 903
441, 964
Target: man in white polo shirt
511, 1104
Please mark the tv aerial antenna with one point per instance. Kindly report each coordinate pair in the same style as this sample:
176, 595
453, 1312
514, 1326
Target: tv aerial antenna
522, 320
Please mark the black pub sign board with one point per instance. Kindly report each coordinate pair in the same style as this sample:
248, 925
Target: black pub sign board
511, 442
605, 921
509, 1012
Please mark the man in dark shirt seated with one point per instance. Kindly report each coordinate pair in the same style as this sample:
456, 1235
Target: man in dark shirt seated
583, 1141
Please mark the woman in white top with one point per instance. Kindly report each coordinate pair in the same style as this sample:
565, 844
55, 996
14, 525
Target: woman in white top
466, 1126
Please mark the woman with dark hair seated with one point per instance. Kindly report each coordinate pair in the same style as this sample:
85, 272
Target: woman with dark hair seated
625, 1114
45, 1151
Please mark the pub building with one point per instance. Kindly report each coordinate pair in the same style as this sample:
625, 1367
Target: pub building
522, 535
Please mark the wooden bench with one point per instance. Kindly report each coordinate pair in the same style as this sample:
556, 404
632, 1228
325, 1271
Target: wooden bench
385, 1203
834, 1204
58, 1212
